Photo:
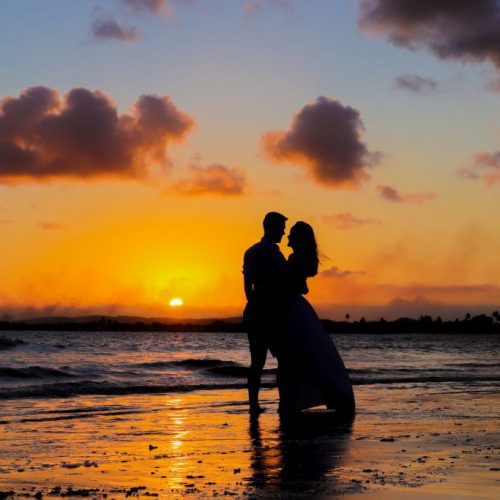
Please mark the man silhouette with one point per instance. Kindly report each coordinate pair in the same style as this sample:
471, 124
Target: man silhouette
264, 268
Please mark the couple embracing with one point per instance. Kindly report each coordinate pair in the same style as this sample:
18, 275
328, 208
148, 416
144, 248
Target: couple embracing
279, 319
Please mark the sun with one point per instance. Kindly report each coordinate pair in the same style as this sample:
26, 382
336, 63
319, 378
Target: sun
176, 302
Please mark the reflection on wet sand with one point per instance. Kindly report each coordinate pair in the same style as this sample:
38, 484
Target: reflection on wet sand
310, 448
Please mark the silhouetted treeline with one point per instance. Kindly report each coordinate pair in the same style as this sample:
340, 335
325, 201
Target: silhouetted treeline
482, 323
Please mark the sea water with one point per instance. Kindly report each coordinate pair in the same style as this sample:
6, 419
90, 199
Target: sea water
48, 364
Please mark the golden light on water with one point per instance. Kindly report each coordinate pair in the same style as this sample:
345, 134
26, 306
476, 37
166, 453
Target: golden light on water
176, 302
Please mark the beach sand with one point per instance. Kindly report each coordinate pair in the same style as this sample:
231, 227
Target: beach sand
403, 443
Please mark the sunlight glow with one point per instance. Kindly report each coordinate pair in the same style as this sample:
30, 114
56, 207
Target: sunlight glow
176, 302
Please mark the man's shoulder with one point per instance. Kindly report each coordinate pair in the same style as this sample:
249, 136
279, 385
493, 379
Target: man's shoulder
256, 248
262, 249
264, 252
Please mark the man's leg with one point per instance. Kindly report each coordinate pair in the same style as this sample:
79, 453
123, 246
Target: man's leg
258, 355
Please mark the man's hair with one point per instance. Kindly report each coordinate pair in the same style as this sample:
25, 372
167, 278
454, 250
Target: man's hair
272, 220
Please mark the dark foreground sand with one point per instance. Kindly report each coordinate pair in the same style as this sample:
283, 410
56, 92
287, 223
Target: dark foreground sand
403, 443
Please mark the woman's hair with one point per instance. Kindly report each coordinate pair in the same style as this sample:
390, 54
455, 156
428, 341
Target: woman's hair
305, 247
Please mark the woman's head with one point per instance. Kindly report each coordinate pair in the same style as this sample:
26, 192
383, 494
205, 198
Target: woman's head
301, 239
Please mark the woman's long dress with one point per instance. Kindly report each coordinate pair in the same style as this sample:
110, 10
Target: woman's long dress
311, 371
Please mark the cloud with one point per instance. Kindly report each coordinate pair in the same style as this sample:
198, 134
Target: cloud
485, 166
160, 7
391, 194
110, 29
82, 136
325, 138
252, 6
452, 293
52, 226
212, 180
335, 272
400, 308
346, 221
460, 29
416, 84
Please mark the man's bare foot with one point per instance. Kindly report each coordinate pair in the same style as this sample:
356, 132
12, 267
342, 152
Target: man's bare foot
256, 409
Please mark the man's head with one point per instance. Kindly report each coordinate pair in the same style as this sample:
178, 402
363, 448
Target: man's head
274, 226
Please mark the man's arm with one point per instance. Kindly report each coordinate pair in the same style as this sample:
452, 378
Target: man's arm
248, 287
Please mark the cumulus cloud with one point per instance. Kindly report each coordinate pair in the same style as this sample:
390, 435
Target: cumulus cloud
212, 180
450, 29
335, 272
325, 138
485, 167
82, 135
252, 6
110, 29
345, 221
417, 84
391, 194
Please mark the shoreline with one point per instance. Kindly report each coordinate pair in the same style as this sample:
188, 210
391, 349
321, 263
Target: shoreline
203, 444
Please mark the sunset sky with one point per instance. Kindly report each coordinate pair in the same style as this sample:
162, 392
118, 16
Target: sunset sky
142, 142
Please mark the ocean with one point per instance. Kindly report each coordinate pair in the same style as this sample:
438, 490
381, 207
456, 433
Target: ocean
45, 364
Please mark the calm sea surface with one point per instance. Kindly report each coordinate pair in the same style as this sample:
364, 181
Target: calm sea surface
67, 364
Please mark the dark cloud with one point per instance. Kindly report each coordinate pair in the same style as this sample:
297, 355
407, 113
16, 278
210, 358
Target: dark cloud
416, 84
335, 272
325, 137
110, 29
485, 167
468, 30
149, 6
391, 194
83, 136
211, 180
346, 221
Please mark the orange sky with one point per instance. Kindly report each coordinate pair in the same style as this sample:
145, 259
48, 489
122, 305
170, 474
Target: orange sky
124, 187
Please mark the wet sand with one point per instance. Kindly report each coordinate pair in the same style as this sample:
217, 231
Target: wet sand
404, 442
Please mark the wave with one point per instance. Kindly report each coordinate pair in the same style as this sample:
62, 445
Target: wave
33, 372
221, 367
6, 343
187, 363
70, 389
63, 390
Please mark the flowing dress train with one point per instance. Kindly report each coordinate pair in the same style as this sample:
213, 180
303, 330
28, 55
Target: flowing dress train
311, 371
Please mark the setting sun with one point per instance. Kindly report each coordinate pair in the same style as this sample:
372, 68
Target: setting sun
176, 302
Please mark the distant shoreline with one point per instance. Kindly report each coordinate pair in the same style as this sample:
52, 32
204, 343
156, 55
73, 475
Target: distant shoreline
481, 324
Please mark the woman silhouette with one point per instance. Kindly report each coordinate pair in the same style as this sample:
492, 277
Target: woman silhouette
311, 371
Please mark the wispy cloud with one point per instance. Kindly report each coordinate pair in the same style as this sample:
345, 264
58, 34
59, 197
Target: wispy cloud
336, 272
325, 138
110, 29
53, 226
82, 136
485, 167
157, 7
391, 194
215, 179
416, 84
346, 221
253, 6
